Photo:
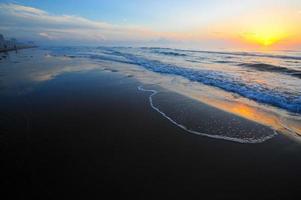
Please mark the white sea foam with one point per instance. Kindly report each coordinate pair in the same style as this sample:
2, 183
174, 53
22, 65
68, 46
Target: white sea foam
222, 137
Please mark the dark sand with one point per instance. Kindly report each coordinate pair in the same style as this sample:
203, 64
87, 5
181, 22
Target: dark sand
93, 135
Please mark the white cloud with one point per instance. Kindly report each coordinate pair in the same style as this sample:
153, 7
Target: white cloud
28, 22
46, 35
14, 8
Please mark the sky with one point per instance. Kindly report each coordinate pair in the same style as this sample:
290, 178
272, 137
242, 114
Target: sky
198, 23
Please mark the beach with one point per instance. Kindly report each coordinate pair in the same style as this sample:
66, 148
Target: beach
74, 129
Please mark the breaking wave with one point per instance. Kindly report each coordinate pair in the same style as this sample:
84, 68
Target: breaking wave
286, 97
272, 68
223, 81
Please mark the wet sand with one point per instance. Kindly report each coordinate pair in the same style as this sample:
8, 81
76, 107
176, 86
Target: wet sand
93, 134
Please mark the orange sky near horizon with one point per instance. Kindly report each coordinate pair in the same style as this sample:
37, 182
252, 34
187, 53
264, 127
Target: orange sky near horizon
231, 24
269, 29
263, 29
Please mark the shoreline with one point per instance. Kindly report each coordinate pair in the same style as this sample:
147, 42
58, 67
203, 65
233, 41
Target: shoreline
210, 134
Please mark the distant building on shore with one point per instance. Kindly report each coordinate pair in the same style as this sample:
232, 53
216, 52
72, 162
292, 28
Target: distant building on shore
7, 44
2, 42
11, 44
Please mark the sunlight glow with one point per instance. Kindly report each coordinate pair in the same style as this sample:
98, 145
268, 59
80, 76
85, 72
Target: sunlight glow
271, 28
266, 36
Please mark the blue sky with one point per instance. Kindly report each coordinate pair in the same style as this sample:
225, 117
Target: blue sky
132, 21
115, 11
153, 13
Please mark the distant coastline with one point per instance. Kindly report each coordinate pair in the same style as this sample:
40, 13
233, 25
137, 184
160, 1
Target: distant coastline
2, 50
14, 45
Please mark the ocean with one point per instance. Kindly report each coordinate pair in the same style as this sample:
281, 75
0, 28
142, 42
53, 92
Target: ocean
264, 87
261, 86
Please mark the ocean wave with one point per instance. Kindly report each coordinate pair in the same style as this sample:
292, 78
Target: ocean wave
252, 54
224, 62
264, 55
267, 94
231, 53
272, 68
168, 53
221, 80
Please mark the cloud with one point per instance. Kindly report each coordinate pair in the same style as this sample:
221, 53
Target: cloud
14, 8
28, 23
32, 23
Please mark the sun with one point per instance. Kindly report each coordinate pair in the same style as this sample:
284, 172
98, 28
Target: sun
266, 39
265, 36
271, 29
